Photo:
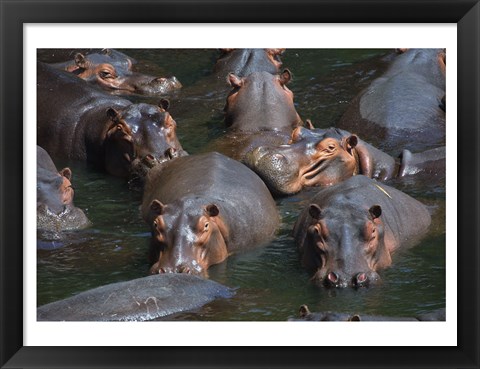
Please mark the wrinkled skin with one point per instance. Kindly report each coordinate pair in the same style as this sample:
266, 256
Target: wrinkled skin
323, 157
142, 299
112, 72
403, 108
55, 209
243, 62
307, 315
76, 121
202, 208
349, 231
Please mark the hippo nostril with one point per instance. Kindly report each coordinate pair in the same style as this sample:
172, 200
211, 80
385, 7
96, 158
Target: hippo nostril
332, 277
360, 279
183, 269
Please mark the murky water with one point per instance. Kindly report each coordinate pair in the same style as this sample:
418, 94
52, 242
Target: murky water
270, 282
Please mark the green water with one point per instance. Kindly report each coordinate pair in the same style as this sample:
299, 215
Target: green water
270, 282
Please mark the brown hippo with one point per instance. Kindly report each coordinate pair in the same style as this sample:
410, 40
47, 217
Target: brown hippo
321, 157
403, 108
243, 62
79, 122
112, 70
350, 230
307, 315
201, 208
259, 110
55, 209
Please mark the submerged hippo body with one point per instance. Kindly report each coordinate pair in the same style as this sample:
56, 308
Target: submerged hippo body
259, 110
307, 315
55, 209
202, 208
321, 157
141, 299
350, 230
403, 108
79, 122
112, 71
243, 62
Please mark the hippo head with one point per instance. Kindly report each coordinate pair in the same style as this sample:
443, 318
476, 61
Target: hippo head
243, 62
116, 74
345, 246
261, 101
187, 237
55, 209
318, 157
139, 131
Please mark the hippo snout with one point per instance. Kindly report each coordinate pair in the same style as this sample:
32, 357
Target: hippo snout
336, 279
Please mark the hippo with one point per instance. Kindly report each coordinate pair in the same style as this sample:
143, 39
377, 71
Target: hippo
322, 157
258, 110
142, 299
350, 230
76, 121
112, 70
243, 62
55, 209
307, 315
202, 208
403, 107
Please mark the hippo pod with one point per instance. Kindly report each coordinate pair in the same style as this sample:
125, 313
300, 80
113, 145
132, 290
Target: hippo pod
307, 315
76, 121
243, 62
55, 209
202, 208
322, 157
403, 107
350, 230
141, 299
112, 70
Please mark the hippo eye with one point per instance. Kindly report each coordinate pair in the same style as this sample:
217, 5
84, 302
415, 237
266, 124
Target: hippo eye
331, 147
106, 74
206, 227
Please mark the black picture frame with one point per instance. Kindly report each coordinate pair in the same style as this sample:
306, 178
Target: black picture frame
465, 13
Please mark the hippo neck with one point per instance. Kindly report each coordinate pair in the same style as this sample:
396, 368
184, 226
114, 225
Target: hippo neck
374, 163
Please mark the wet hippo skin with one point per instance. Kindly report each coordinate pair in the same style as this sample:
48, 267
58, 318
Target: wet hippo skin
202, 208
78, 122
140, 299
350, 230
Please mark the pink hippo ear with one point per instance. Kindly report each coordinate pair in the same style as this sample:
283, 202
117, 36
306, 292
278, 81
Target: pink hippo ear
212, 210
315, 211
81, 61
234, 81
156, 208
285, 76
164, 104
375, 211
303, 311
67, 173
309, 125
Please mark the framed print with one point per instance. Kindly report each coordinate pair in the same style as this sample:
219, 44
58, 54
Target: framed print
70, 302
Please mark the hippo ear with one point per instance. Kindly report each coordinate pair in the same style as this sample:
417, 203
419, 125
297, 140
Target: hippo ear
276, 51
106, 52
303, 311
67, 173
226, 51
309, 124
375, 211
351, 141
81, 61
365, 160
315, 211
212, 210
355, 318
113, 115
234, 81
164, 104
285, 77
156, 207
